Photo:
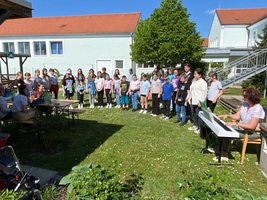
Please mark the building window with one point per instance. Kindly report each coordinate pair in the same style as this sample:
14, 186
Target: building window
39, 48
255, 37
145, 65
119, 64
24, 48
8, 47
56, 48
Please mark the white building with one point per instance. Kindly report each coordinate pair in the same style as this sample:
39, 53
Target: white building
89, 41
233, 33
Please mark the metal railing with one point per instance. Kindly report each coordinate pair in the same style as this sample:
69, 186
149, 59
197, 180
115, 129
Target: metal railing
243, 68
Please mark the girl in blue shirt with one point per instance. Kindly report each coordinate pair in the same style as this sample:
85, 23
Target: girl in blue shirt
143, 93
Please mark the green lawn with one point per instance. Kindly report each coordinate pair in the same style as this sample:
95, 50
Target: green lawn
233, 91
158, 149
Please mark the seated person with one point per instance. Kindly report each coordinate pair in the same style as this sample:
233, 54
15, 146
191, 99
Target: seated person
19, 109
251, 114
5, 112
39, 92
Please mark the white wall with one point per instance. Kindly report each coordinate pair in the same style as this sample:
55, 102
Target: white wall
215, 32
257, 28
79, 51
234, 36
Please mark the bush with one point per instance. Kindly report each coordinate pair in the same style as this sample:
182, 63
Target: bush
256, 81
94, 182
9, 195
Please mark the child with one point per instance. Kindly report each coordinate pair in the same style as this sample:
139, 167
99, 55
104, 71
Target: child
99, 84
134, 90
80, 72
90, 88
117, 71
161, 78
174, 81
19, 79
130, 75
46, 80
36, 79
28, 82
116, 83
80, 90
144, 92
5, 112
39, 92
156, 87
181, 100
124, 91
94, 76
215, 91
152, 77
170, 73
68, 86
104, 73
54, 85
167, 90
108, 89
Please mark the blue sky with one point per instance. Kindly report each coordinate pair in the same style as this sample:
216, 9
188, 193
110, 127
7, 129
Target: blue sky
202, 11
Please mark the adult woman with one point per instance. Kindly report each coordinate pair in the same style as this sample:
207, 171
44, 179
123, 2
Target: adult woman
198, 92
250, 115
5, 112
19, 109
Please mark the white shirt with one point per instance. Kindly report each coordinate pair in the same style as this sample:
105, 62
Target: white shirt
99, 83
214, 90
198, 91
255, 111
19, 101
3, 108
134, 84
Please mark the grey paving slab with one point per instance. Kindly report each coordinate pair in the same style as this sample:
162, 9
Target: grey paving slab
43, 174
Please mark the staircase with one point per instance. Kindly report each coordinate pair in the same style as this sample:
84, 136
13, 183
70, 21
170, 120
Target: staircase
243, 68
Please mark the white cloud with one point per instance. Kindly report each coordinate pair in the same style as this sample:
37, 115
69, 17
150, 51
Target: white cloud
210, 12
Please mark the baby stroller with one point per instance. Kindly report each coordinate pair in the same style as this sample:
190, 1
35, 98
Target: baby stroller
12, 176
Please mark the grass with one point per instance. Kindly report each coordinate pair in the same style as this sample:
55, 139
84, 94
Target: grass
233, 91
158, 149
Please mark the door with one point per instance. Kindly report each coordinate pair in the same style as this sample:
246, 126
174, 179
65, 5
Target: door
105, 63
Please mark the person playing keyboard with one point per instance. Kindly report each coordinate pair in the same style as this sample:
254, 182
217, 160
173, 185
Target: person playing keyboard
250, 115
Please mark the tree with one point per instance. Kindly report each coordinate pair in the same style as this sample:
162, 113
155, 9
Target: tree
258, 80
167, 37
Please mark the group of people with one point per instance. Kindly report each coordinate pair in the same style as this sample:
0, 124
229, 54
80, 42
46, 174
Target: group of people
176, 92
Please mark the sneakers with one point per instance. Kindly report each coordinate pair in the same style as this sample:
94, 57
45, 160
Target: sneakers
162, 117
134, 110
166, 118
193, 128
182, 124
154, 115
223, 158
98, 106
160, 105
95, 100
177, 121
211, 150
197, 131
107, 106
145, 112
110, 106
127, 109
141, 111
79, 106
123, 108
119, 106
101, 106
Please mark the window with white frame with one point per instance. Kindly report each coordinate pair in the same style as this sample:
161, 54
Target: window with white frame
8, 47
39, 48
255, 37
119, 64
145, 65
56, 48
24, 48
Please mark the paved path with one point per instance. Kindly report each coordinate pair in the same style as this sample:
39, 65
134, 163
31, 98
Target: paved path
239, 97
43, 174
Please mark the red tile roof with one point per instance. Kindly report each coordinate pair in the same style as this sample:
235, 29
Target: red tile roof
241, 16
205, 42
107, 23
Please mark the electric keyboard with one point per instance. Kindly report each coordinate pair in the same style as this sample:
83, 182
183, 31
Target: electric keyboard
218, 126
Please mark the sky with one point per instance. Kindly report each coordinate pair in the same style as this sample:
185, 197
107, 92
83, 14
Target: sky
202, 11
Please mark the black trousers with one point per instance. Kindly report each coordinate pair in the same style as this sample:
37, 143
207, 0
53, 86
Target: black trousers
166, 107
80, 97
155, 104
197, 120
189, 112
108, 95
100, 97
173, 99
211, 105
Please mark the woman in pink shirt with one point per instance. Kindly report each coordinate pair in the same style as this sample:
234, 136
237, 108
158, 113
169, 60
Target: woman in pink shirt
108, 89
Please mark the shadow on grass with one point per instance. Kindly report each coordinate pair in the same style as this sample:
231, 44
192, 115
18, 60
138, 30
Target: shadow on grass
77, 143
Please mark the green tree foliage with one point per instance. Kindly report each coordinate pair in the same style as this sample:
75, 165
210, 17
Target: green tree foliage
167, 37
257, 81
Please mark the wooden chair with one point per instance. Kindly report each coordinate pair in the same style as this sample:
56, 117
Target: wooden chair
247, 141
